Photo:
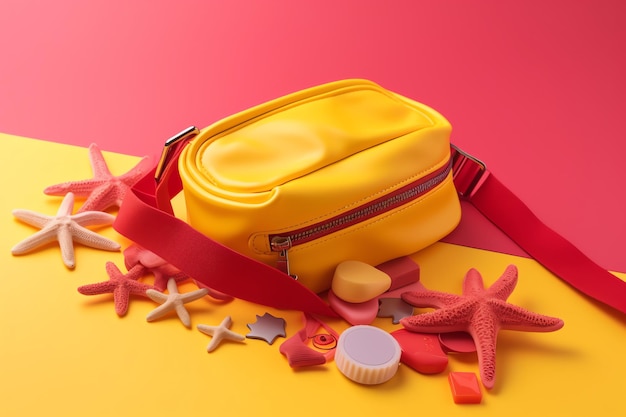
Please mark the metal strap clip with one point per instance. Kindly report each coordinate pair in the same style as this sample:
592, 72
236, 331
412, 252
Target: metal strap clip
467, 171
170, 146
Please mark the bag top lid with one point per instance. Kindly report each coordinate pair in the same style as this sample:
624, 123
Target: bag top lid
295, 135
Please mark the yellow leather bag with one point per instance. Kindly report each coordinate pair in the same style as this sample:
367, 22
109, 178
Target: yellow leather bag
341, 171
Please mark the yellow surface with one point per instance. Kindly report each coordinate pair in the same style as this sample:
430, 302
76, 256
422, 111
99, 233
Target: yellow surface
63, 353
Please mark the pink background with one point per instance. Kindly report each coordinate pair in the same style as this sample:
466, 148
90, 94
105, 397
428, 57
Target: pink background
534, 88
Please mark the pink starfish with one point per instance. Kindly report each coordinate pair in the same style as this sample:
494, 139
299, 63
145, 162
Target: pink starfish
104, 190
480, 312
120, 285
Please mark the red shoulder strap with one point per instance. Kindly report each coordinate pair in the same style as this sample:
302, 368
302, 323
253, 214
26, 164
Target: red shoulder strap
515, 219
147, 219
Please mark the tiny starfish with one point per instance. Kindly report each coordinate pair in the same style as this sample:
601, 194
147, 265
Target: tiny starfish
267, 327
173, 301
65, 228
104, 190
479, 311
121, 285
220, 333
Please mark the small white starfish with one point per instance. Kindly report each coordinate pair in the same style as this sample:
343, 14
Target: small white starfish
220, 333
66, 228
173, 301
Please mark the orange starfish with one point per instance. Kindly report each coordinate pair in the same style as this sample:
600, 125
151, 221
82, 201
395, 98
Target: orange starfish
121, 285
480, 312
104, 190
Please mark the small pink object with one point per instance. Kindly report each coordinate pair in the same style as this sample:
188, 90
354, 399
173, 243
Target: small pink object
421, 351
161, 269
457, 342
354, 313
403, 271
296, 348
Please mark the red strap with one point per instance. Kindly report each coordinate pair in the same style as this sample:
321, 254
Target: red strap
513, 217
205, 260
227, 271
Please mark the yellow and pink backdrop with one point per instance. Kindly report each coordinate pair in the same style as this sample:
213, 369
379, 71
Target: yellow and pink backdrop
536, 89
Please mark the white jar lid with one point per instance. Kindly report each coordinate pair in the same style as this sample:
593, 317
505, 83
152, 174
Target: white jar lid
367, 354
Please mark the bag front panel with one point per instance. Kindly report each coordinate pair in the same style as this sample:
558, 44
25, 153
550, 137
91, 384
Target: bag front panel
401, 231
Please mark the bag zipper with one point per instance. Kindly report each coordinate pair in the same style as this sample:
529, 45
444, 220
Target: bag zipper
282, 242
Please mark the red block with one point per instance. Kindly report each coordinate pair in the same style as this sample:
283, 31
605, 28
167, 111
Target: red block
465, 388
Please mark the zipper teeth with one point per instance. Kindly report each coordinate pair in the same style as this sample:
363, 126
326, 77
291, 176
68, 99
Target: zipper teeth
369, 210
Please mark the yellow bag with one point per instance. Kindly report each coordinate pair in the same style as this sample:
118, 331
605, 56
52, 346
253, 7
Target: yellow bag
341, 171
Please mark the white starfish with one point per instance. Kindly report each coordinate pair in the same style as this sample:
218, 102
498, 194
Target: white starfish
220, 333
173, 301
66, 228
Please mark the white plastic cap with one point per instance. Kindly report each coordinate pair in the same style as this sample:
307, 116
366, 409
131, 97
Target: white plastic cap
367, 355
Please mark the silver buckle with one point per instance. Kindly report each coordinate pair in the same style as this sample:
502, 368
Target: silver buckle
170, 145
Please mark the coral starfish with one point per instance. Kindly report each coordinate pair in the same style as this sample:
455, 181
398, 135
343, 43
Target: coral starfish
220, 333
104, 190
479, 311
65, 228
173, 301
121, 285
